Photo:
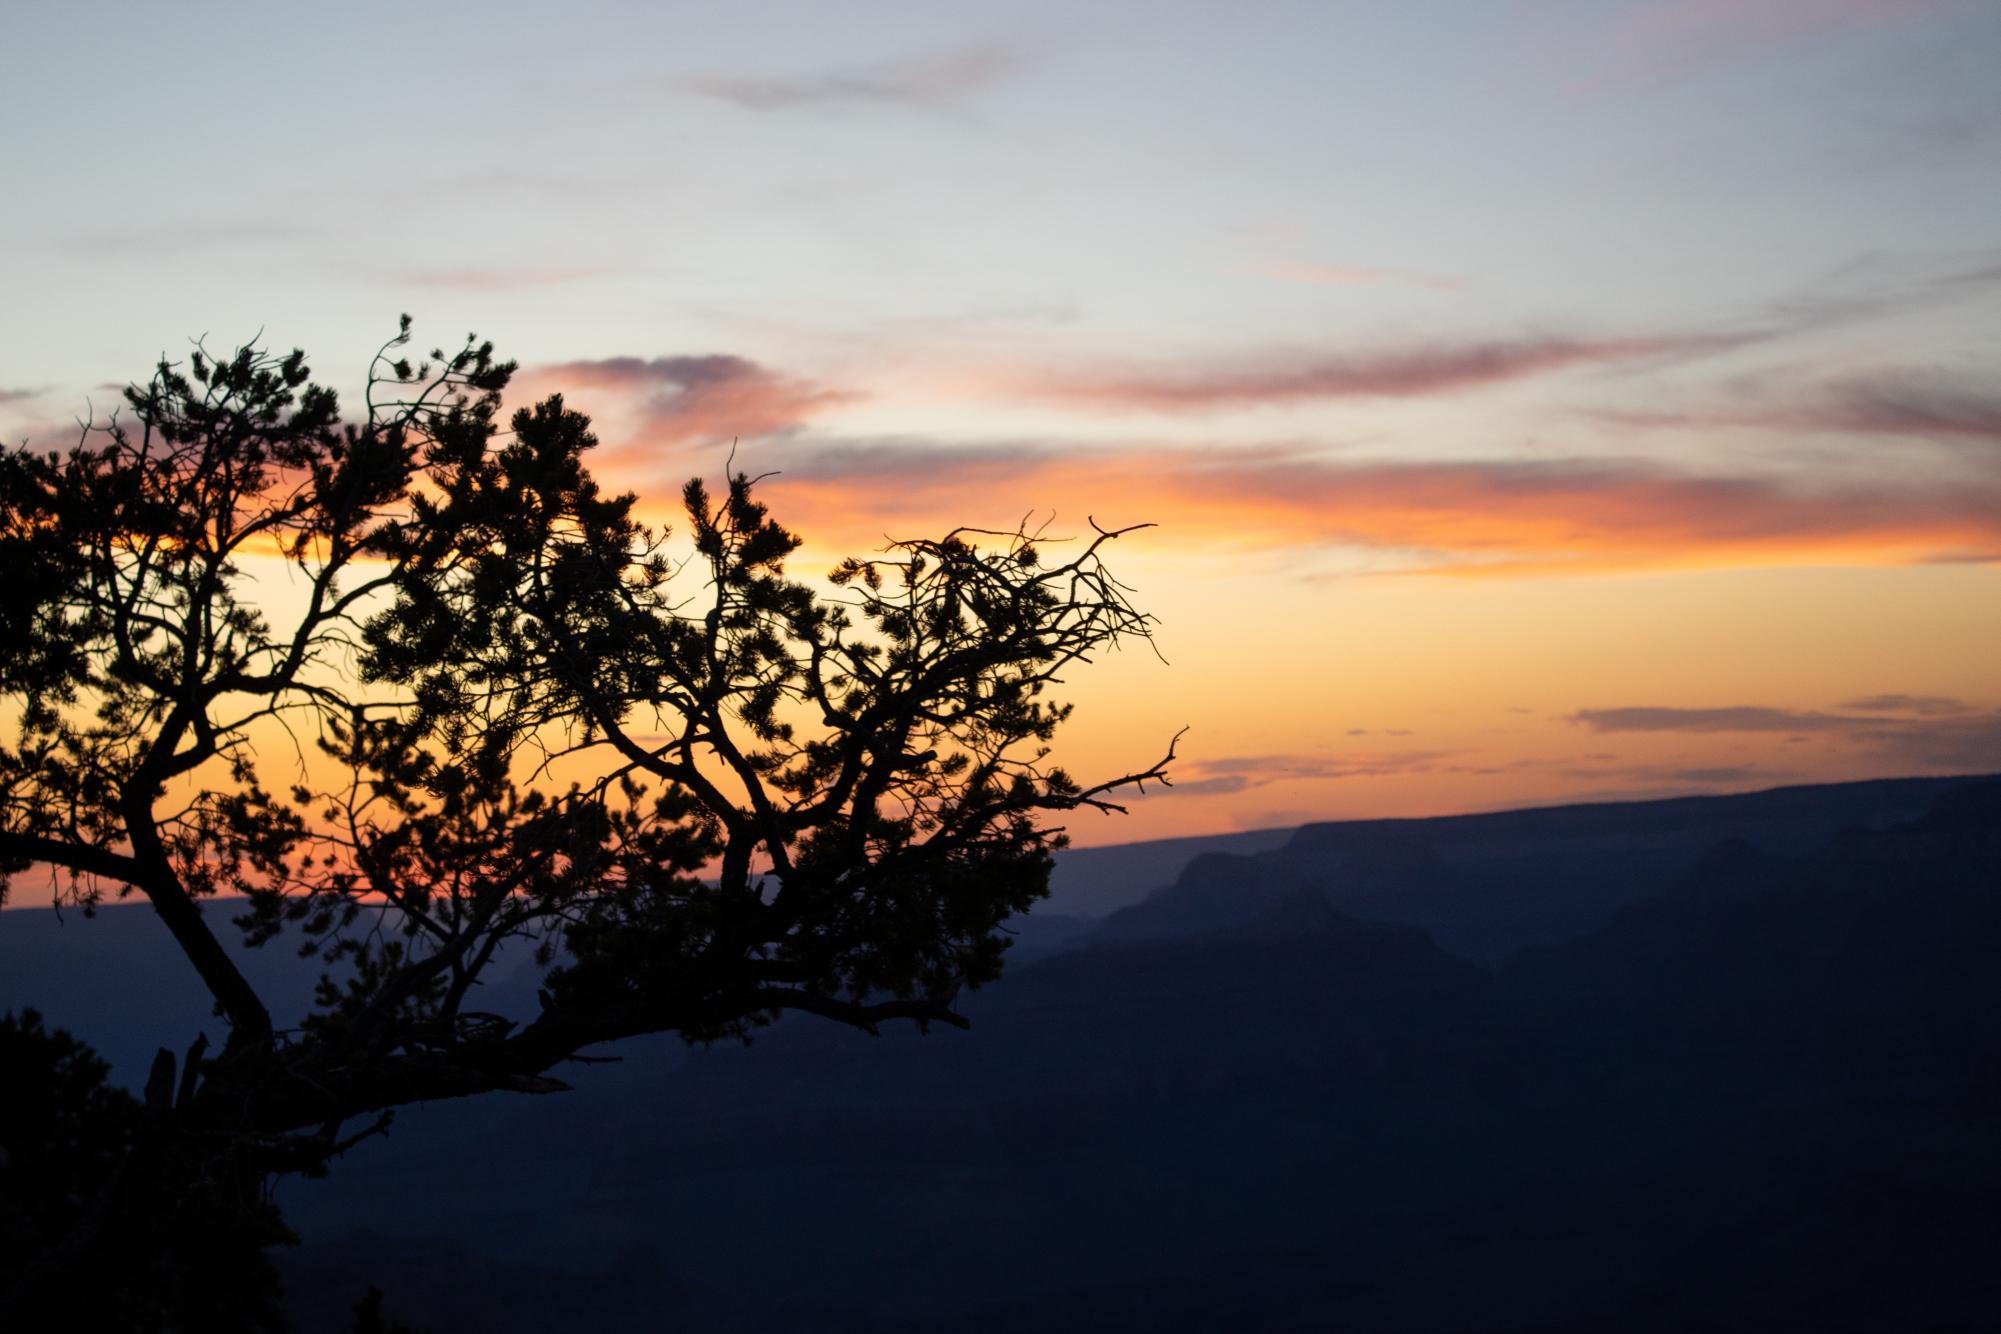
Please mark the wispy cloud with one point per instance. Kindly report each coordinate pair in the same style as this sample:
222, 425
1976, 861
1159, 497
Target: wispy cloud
1719, 775
1666, 39
1734, 718
1665, 779
1878, 284
924, 81
500, 279
1963, 130
1914, 403
1934, 734
8, 396
1962, 745
1243, 772
1923, 705
689, 399
39, 432
1487, 516
1870, 287
1460, 517
1432, 368
1898, 403
1354, 275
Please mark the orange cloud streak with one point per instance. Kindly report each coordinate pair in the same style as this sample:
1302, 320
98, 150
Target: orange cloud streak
1463, 518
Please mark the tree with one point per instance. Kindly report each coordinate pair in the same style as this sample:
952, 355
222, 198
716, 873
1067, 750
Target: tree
68, 1143
702, 791
62, 1130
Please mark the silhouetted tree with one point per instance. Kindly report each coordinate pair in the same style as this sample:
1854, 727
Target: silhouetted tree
78, 1158
702, 792
63, 1131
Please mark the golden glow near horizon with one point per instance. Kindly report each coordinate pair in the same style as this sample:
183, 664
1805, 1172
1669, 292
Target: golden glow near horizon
1518, 429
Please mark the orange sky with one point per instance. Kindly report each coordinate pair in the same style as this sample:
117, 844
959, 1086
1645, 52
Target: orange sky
1536, 402
1402, 629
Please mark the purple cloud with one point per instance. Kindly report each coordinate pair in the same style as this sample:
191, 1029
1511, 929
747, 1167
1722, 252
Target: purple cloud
1926, 739
1401, 373
1736, 718
1922, 705
926, 81
695, 399
1241, 772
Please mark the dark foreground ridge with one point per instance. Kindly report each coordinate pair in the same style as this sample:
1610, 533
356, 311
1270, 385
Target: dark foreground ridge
1733, 1070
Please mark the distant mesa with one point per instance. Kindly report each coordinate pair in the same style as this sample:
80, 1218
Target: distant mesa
1738, 1059
1485, 886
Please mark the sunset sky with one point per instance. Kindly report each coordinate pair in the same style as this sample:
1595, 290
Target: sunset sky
1537, 399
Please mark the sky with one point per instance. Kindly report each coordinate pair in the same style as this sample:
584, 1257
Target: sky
1537, 400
